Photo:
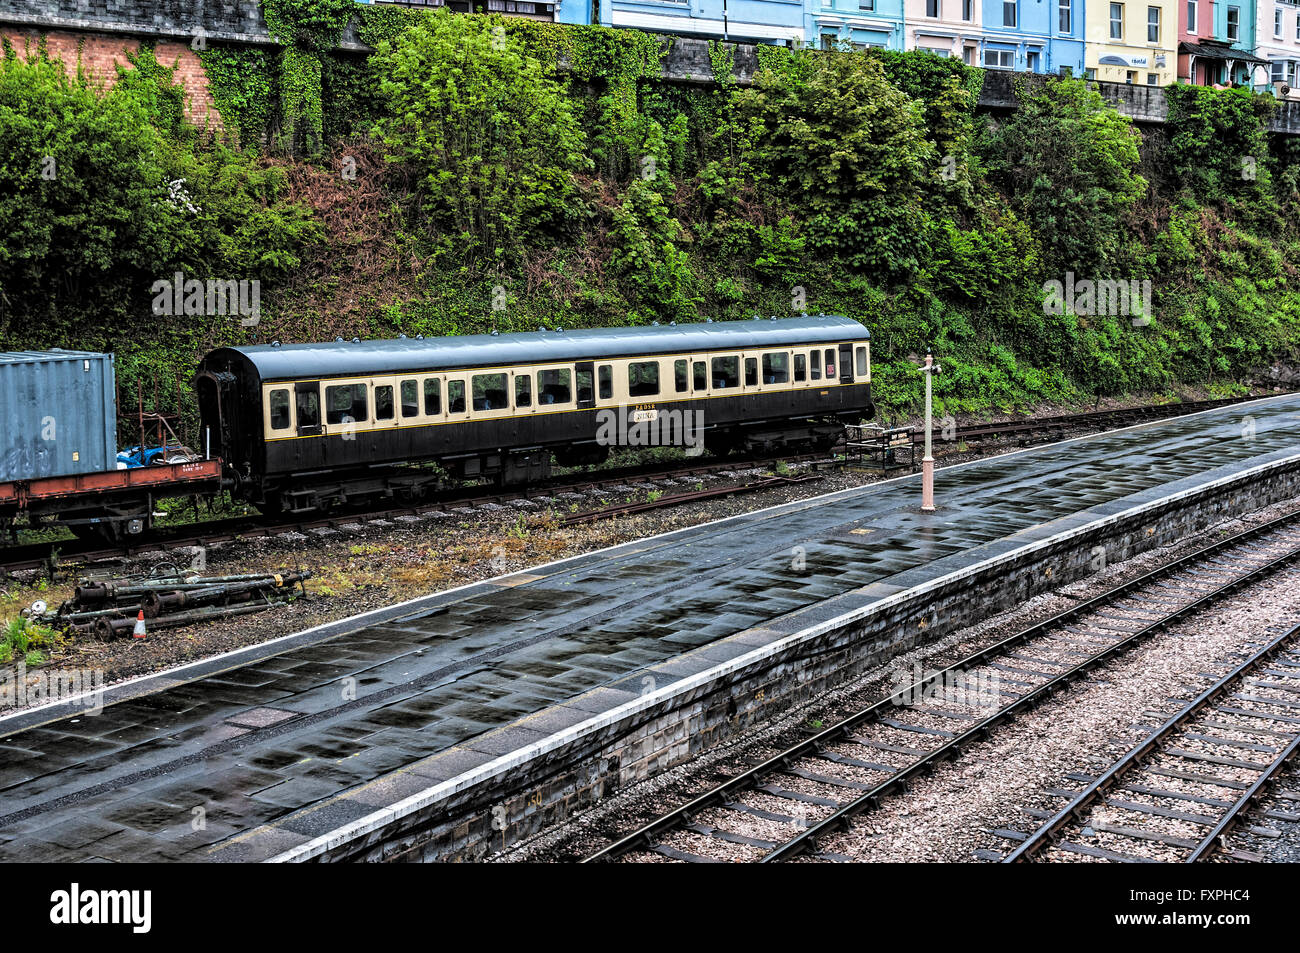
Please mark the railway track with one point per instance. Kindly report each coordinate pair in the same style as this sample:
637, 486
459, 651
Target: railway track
39, 555
611, 482
785, 806
1097, 419
1191, 746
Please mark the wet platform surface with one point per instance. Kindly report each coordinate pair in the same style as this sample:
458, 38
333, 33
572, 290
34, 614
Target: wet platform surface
186, 768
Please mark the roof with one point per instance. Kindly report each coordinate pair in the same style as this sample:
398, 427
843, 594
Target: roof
338, 359
55, 354
1219, 51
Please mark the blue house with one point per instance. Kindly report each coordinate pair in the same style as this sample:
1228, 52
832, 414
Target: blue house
857, 24
1039, 36
753, 21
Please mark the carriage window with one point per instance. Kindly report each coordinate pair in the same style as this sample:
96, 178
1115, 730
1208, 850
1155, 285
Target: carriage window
862, 361
346, 404
751, 371
553, 386
455, 397
776, 368
309, 408
726, 371
830, 363
680, 377
279, 409
701, 374
815, 372
432, 396
384, 402
490, 392
523, 390
410, 398
800, 367
643, 379
584, 385
605, 378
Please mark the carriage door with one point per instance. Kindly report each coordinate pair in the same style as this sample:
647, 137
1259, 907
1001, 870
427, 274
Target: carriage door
585, 384
846, 363
306, 396
384, 390
749, 376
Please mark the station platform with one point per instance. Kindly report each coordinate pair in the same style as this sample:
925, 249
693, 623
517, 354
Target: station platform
247, 756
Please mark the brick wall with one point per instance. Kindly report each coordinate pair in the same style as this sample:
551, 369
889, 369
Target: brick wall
100, 54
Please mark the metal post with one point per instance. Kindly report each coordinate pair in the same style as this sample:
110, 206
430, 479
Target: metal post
927, 462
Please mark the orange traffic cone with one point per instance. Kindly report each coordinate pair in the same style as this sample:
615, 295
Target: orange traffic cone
138, 632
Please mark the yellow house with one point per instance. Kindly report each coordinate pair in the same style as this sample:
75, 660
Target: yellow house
1132, 41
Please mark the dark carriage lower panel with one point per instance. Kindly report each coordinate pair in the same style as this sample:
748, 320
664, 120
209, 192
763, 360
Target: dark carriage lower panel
519, 449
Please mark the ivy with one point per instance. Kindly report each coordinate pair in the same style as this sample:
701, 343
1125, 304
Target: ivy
310, 24
301, 111
245, 87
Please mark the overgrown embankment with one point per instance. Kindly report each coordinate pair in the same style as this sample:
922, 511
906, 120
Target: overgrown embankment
477, 173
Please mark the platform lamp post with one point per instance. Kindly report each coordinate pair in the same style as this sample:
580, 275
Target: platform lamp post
927, 462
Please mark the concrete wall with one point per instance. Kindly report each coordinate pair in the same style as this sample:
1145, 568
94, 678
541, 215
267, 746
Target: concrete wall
469, 816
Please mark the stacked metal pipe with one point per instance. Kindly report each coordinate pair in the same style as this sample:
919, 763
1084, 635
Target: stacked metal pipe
110, 608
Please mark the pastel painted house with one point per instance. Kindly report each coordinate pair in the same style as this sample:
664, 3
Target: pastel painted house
855, 24
753, 21
1133, 41
1037, 36
1217, 42
949, 28
1277, 46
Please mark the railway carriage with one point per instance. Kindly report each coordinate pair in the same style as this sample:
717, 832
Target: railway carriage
306, 426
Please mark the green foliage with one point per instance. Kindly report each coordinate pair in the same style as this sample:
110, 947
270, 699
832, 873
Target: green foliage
1068, 164
832, 130
301, 111
309, 24
551, 168
1218, 141
645, 253
104, 192
245, 88
493, 140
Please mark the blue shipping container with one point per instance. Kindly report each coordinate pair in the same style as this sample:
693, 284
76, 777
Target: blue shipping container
58, 414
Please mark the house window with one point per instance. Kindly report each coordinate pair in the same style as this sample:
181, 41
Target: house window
1009, 17
1297, 26
968, 10
1117, 21
1153, 24
1277, 22
1234, 23
1277, 71
1065, 16
1153, 79
997, 59
867, 5
1191, 16
931, 8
